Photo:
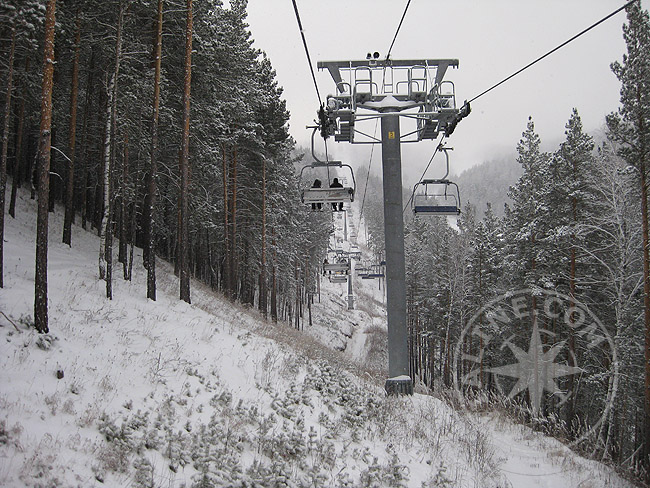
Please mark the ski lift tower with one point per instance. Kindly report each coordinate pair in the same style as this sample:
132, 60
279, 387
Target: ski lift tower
415, 91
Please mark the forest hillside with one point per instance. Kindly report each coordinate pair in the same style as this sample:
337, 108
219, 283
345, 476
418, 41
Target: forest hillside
131, 392
489, 182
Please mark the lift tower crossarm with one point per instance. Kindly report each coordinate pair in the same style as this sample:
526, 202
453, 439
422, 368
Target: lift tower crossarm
335, 67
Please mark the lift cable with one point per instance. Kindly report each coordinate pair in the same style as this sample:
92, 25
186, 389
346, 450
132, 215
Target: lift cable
555, 49
365, 188
304, 42
398, 28
438, 146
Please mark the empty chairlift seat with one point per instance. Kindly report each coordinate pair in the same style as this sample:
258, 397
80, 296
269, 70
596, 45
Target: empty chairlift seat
374, 271
437, 197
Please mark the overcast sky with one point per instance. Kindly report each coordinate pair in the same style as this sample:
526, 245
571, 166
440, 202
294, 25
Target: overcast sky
491, 40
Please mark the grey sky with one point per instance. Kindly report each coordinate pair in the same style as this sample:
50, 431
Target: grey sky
491, 40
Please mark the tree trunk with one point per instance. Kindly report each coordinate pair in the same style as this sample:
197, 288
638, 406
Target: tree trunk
233, 228
40, 287
274, 281
18, 161
123, 229
572, 294
150, 199
129, 273
98, 197
83, 178
5, 145
262, 286
69, 192
105, 241
307, 289
184, 163
54, 170
226, 226
296, 278
109, 246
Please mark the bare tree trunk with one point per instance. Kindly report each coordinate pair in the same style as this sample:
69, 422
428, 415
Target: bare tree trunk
54, 169
233, 228
108, 229
150, 199
122, 258
296, 277
69, 192
83, 178
184, 163
307, 290
129, 273
40, 287
226, 227
98, 196
18, 162
262, 287
104, 225
274, 281
5, 145
107, 181
572, 294
106, 232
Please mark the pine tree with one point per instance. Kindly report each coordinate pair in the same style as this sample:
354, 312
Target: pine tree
569, 207
526, 223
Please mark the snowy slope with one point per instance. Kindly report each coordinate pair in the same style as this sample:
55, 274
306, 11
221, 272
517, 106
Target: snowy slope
168, 394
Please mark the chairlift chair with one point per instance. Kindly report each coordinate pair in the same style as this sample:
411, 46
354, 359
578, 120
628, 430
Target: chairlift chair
375, 271
438, 196
325, 194
320, 170
372, 276
361, 270
338, 278
337, 267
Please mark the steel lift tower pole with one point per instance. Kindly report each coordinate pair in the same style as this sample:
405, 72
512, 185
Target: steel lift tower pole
413, 89
398, 362
350, 295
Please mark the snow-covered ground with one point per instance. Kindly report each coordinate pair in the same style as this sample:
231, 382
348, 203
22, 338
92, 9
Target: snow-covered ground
166, 394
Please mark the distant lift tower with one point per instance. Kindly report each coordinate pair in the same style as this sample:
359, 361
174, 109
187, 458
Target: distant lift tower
390, 89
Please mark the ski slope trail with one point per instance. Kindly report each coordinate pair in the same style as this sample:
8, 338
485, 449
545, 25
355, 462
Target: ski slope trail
131, 392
